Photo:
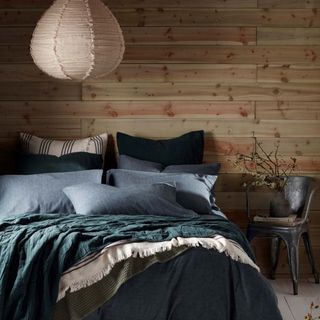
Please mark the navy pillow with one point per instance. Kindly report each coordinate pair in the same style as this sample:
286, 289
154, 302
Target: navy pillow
28, 163
97, 199
129, 163
41, 193
194, 191
186, 149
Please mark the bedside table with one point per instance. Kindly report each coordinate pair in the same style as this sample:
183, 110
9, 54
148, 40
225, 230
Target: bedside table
290, 234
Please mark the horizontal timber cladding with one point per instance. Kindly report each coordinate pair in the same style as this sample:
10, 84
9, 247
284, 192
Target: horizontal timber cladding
215, 128
187, 17
199, 91
21, 4
289, 54
134, 73
289, 3
288, 74
295, 36
129, 109
157, 35
233, 68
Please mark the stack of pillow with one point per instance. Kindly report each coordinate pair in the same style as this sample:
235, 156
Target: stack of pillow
158, 177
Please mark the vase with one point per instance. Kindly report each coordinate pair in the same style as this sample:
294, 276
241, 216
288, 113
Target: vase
291, 200
279, 206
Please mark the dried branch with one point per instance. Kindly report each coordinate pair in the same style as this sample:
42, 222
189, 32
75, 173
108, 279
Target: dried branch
267, 169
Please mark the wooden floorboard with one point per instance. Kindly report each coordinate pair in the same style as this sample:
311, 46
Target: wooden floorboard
296, 307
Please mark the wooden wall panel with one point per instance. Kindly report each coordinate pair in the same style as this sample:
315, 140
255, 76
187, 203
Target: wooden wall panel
137, 73
195, 54
295, 36
288, 74
233, 68
23, 4
224, 54
157, 35
289, 110
187, 17
129, 109
199, 91
289, 4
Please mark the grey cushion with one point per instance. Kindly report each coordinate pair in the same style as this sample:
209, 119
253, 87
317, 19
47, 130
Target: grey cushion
41, 193
96, 199
130, 163
205, 168
194, 191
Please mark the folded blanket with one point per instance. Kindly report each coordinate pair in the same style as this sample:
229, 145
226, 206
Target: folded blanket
36, 249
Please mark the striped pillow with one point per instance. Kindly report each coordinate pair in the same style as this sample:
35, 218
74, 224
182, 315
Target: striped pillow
35, 145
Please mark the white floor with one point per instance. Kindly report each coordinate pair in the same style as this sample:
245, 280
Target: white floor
296, 307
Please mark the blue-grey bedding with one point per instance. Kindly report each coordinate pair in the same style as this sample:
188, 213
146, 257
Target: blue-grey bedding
199, 284
41, 193
130, 163
154, 199
194, 191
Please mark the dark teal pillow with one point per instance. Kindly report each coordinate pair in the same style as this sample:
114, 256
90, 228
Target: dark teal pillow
186, 149
42, 163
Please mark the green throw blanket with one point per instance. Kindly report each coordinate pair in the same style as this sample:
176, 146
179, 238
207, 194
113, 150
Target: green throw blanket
36, 249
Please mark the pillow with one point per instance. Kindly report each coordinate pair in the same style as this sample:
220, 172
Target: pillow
41, 193
194, 191
41, 163
35, 145
186, 149
129, 163
205, 168
156, 199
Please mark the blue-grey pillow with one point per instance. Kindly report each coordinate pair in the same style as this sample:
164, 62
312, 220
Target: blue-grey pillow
130, 163
205, 168
186, 149
41, 193
28, 163
155, 199
194, 191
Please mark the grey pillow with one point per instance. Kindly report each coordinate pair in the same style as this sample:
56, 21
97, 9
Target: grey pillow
97, 199
129, 163
41, 193
205, 168
194, 191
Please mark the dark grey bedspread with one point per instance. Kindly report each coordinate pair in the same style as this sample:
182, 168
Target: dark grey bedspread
199, 284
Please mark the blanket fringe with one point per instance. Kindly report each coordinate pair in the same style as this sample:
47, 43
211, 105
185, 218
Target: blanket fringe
76, 280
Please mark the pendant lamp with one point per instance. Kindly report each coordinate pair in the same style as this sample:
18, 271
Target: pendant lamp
77, 39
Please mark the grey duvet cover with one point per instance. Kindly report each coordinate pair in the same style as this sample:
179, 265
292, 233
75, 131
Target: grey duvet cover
198, 284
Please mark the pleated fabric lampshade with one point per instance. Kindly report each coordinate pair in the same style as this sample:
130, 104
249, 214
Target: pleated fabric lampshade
77, 39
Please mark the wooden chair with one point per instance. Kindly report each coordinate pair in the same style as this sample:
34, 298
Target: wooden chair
290, 234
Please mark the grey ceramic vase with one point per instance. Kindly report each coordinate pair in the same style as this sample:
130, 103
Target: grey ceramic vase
292, 199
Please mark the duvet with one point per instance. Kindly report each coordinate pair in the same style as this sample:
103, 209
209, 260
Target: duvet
129, 268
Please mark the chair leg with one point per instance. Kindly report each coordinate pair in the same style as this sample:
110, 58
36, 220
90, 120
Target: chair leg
307, 244
275, 252
292, 244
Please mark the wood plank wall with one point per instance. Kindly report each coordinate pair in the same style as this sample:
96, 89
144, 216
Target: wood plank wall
230, 67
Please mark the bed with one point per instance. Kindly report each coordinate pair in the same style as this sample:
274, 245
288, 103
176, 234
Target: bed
148, 244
